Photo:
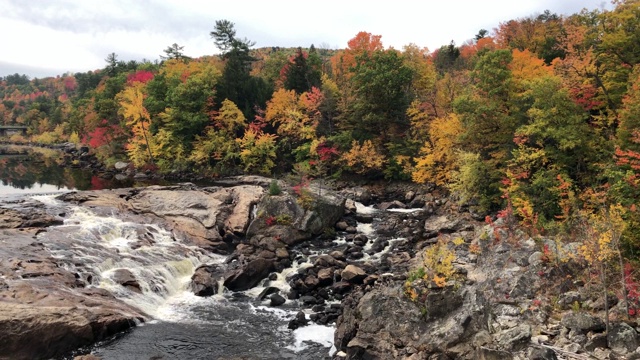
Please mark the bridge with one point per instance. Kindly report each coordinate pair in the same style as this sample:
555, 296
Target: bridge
11, 129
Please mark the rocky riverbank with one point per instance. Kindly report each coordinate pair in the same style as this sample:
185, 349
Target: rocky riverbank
359, 257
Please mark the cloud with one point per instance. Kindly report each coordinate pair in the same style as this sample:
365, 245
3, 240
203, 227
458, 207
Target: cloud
77, 35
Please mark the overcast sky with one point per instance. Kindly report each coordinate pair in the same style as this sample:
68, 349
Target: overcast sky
50, 37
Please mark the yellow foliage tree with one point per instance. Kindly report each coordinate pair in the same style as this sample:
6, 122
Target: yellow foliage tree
438, 156
137, 119
258, 151
363, 158
526, 66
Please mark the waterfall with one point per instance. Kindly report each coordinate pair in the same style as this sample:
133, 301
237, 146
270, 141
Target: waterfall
141, 264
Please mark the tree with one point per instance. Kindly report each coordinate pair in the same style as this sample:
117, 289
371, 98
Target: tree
224, 35
137, 119
174, 51
438, 157
258, 151
218, 148
237, 84
381, 82
299, 75
363, 158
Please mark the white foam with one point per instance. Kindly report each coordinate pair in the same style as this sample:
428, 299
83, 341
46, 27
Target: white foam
361, 209
320, 334
365, 228
46, 199
281, 281
412, 210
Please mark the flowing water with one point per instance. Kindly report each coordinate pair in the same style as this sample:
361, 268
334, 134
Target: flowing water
101, 247
106, 251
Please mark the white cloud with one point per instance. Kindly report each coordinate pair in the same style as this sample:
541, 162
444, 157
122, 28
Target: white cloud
76, 35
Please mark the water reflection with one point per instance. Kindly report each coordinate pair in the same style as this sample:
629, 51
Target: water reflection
38, 170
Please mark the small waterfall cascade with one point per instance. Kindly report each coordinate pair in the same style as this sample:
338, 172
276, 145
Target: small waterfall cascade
141, 264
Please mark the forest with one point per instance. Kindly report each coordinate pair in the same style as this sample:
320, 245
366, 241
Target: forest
537, 120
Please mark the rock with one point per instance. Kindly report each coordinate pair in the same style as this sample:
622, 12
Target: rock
350, 206
126, 278
341, 287
140, 176
299, 320
392, 205
311, 281
442, 302
37, 332
204, 281
26, 217
277, 300
342, 226
338, 255
442, 225
249, 275
514, 339
86, 357
536, 258
622, 338
267, 291
409, 195
324, 261
121, 165
383, 323
493, 354
364, 218
322, 213
325, 276
540, 353
567, 299
308, 300
245, 197
282, 253
582, 322
596, 341
353, 274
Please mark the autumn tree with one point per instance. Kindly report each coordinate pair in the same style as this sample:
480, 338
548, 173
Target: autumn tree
438, 155
137, 119
217, 148
257, 151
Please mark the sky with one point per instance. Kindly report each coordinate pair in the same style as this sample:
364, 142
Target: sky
42, 38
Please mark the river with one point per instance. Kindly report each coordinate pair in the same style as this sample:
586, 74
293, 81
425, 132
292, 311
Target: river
183, 326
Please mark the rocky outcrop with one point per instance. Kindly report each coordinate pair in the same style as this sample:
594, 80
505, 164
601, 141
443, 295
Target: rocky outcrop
293, 218
204, 217
45, 310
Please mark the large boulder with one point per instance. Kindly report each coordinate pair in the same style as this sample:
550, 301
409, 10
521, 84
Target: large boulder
383, 323
204, 281
622, 338
37, 332
582, 322
248, 275
292, 219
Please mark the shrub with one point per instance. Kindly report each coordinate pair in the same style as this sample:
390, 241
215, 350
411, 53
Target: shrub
274, 188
